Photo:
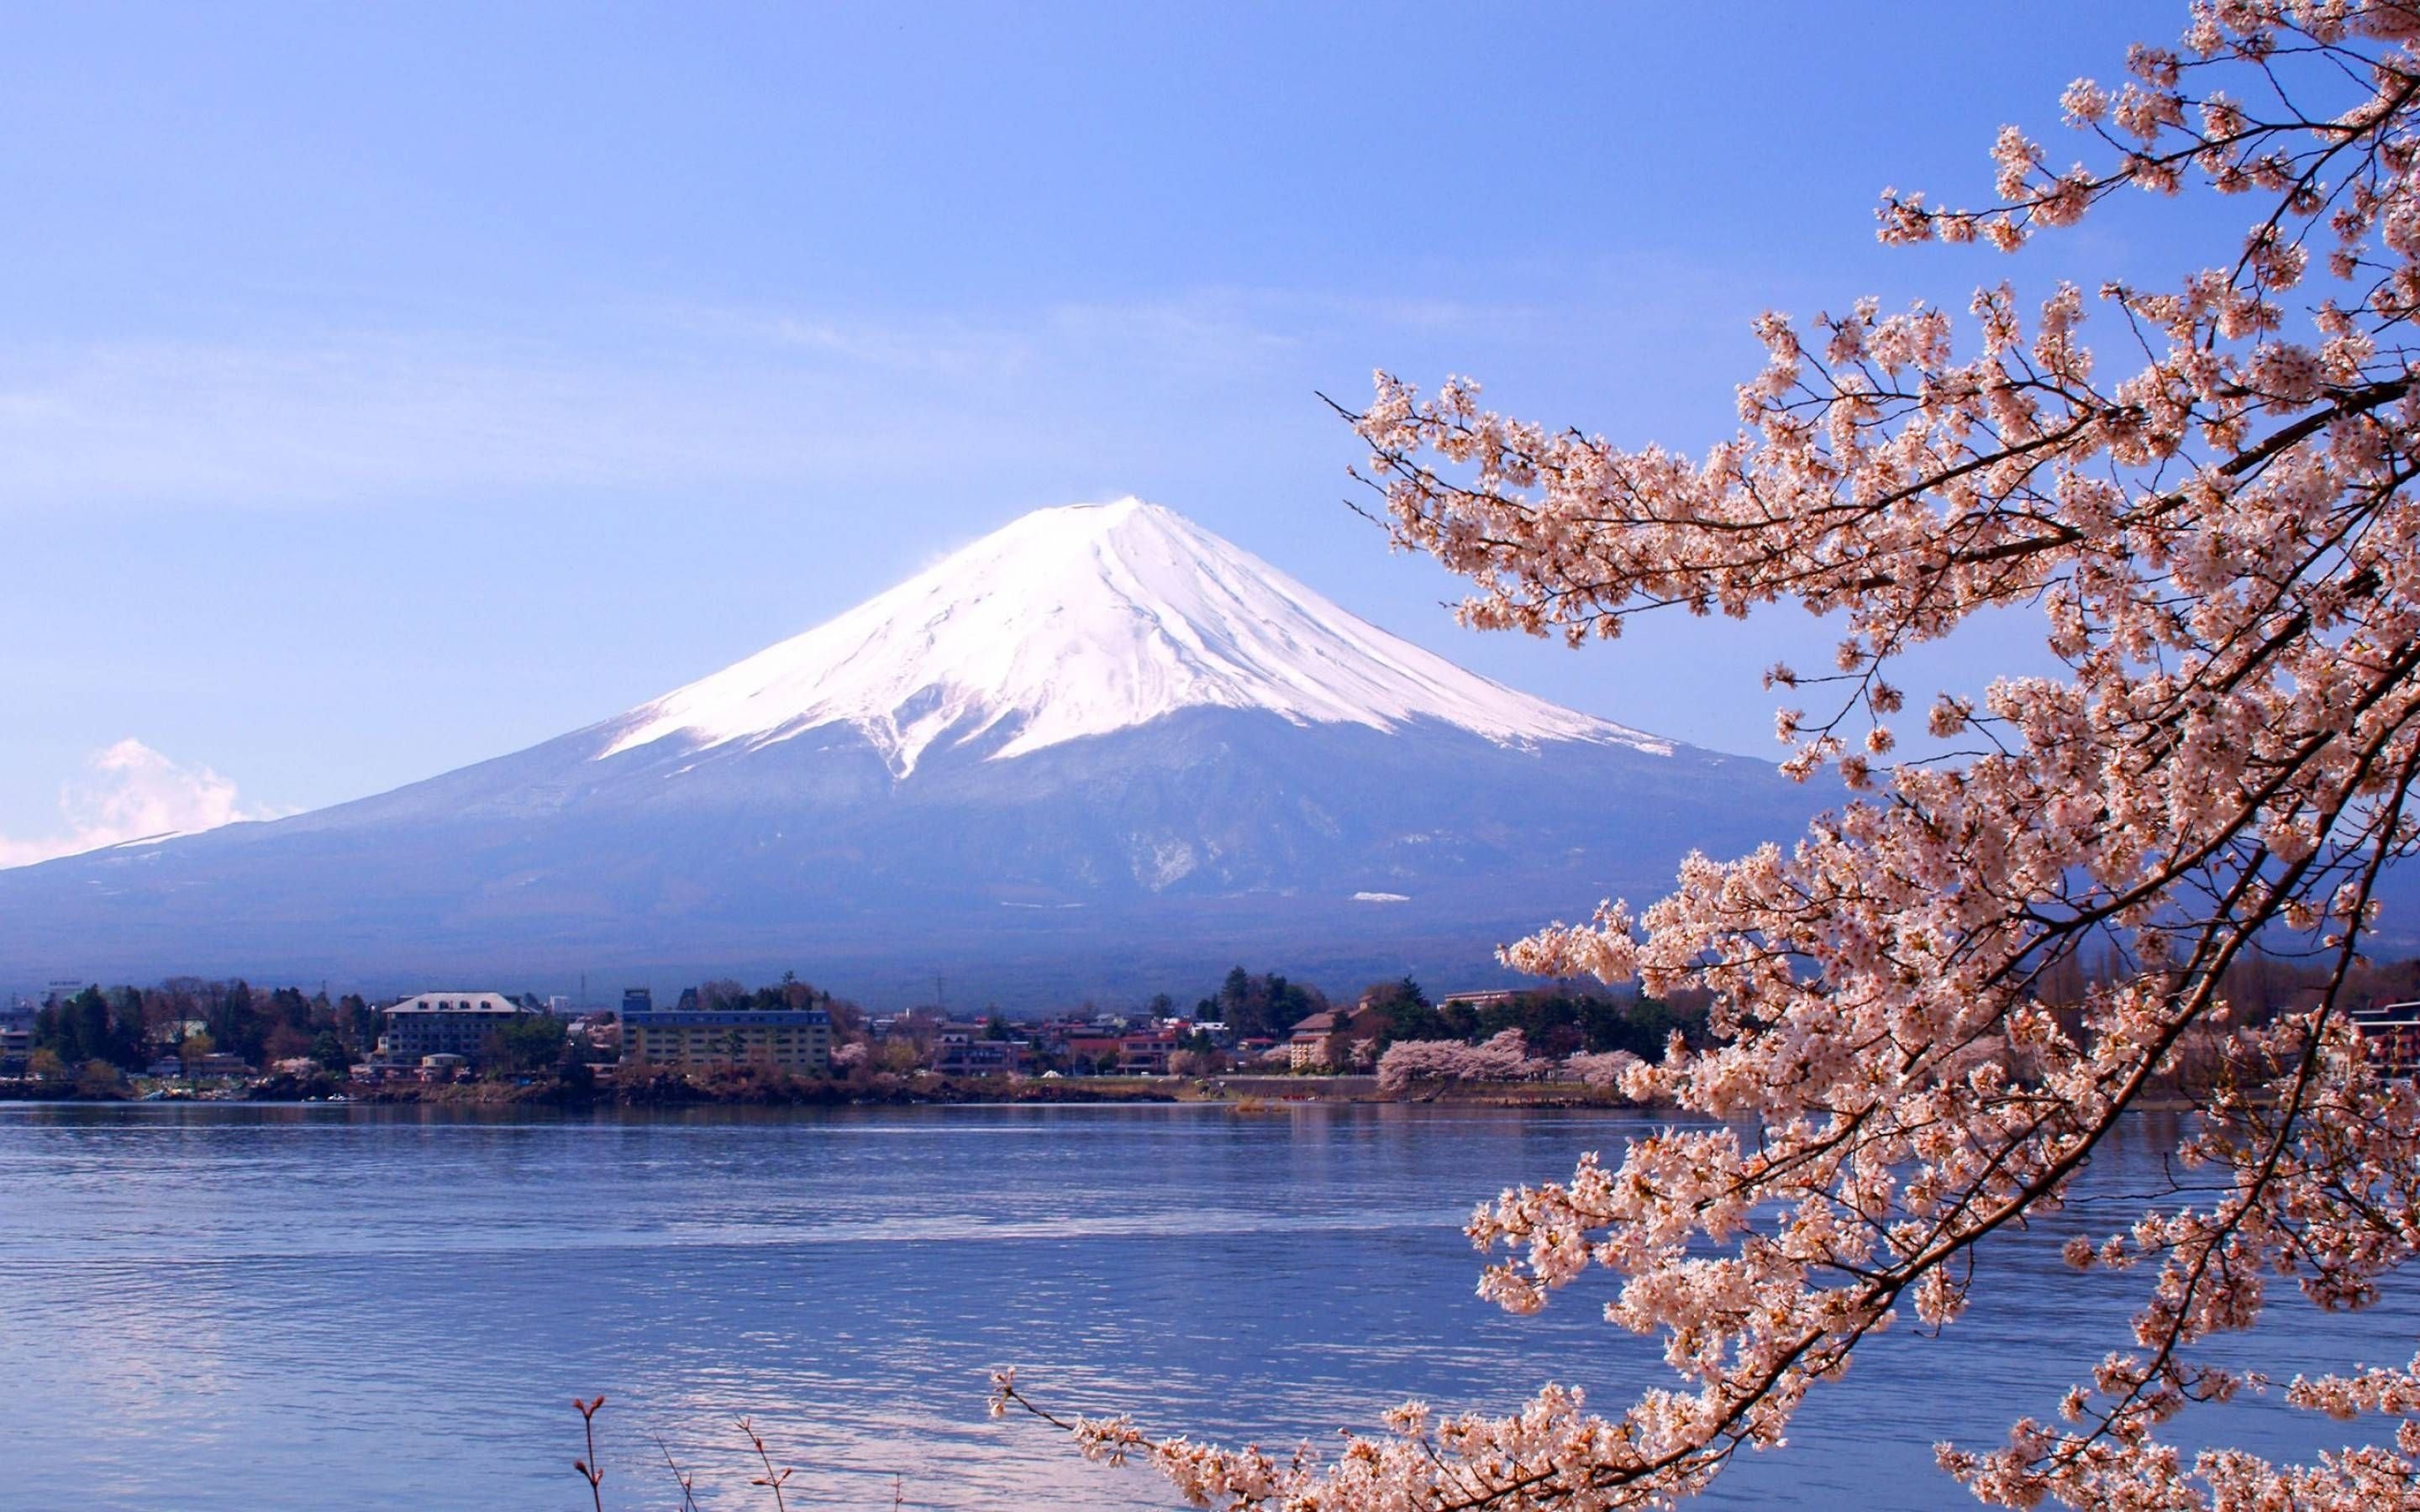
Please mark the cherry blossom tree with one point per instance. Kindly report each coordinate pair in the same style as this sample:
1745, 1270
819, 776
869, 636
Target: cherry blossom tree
1607, 1067
1502, 1057
2209, 512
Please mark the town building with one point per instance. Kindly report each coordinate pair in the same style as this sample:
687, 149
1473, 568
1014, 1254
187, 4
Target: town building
1329, 1041
1145, 1054
1087, 1050
445, 1024
962, 1053
16, 1037
1311, 1043
794, 1040
217, 1063
2390, 1032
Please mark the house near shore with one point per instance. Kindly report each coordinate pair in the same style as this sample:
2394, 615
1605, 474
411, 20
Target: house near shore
2389, 1034
961, 1054
217, 1063
1146, 1053
1334, 1040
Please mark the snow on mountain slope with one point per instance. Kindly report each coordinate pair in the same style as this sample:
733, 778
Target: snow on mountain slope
1211, 763
1082, 621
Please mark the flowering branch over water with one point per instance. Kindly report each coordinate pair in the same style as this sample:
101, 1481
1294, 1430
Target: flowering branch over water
2218, 533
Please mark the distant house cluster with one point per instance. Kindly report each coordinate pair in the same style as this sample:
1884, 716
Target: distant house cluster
190, 1031
1110, 1044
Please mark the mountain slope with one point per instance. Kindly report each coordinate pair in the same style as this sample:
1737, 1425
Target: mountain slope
1100, 750
1080, 621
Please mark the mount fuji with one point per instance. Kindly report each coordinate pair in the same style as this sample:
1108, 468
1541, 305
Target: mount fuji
1100, 750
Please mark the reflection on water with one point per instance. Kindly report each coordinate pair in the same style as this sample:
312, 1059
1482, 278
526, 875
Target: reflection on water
290, 1307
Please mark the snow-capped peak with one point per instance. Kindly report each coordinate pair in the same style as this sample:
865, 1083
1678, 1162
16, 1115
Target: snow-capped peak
1085, 620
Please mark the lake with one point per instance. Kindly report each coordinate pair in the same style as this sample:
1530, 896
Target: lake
226, 1307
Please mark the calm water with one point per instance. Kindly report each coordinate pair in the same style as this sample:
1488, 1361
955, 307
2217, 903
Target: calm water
288, 1308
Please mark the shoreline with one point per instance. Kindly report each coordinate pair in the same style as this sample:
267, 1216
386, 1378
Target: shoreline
1244, 1093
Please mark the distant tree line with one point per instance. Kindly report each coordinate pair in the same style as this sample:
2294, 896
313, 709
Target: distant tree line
1256, 1006
726, 995
1562, 1019
1554, 1019
129, 1028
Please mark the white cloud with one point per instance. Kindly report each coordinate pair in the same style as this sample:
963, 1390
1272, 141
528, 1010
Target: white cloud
129, 792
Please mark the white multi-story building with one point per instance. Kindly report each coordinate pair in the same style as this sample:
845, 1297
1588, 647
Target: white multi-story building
445, 1024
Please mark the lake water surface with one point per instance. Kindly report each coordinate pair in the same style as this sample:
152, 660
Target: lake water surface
273, 1307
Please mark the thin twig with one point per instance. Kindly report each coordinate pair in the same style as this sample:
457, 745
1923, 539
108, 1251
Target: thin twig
588, 1467
773, 1478
688, 1497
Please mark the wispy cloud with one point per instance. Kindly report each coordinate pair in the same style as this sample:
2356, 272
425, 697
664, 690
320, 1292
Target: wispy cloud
357, 418
129, 792
692, 397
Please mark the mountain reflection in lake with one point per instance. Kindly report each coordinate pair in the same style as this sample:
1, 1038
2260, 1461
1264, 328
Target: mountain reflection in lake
235, 1307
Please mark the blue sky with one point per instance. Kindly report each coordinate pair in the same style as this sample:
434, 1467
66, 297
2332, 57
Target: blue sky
388, 388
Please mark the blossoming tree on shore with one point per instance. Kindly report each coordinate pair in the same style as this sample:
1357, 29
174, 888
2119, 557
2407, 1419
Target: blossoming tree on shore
1502, 1057
2210, 510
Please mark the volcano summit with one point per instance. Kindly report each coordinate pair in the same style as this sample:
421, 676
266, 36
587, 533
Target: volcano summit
1100, 749
1083, 622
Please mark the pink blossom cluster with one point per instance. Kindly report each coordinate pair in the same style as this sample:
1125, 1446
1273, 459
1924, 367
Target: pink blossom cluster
1504, 1057
1609, 1068
2211, 515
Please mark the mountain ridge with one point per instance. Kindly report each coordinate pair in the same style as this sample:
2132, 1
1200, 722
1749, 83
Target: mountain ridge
1099, 752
